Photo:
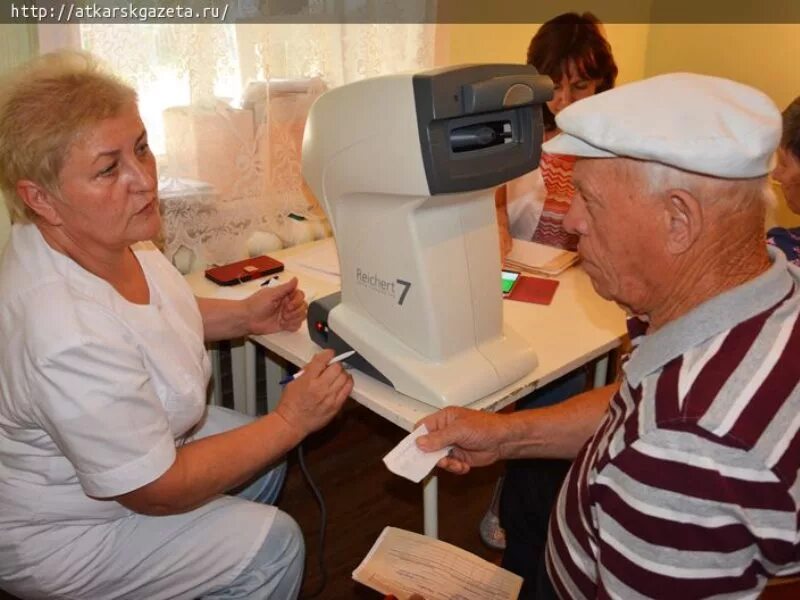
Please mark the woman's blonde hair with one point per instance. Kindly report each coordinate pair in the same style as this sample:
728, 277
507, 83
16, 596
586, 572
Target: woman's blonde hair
45, 104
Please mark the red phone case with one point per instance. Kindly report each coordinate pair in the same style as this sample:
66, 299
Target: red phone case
244, 270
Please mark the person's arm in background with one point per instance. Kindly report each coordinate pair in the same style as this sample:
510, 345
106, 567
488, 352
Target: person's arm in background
481, 438
501, 208
270, 309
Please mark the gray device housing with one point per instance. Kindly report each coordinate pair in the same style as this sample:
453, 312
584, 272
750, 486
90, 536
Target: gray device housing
453, 102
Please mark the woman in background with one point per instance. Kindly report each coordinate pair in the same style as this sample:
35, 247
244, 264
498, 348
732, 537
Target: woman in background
572, 50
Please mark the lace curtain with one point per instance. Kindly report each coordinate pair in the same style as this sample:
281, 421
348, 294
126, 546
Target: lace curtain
225, 107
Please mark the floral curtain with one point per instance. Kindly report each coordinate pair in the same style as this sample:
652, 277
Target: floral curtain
225, 107
17, 44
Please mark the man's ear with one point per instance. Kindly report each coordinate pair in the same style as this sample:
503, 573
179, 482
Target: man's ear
683, 217
39, 200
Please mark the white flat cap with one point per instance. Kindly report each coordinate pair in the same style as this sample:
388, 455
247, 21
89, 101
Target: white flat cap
694, 122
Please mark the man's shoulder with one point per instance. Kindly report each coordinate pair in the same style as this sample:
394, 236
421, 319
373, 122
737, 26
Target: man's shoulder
740, 390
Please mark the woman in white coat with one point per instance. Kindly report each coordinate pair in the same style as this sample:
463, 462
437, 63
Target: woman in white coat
113, 477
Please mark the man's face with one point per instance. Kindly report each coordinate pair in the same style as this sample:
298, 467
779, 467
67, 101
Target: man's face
621, 232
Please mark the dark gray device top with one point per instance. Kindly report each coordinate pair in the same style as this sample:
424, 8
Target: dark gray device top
479, 125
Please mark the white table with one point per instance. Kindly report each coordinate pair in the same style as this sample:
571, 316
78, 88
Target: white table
575, 329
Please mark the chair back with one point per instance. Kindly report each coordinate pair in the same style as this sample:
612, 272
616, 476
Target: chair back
781, 588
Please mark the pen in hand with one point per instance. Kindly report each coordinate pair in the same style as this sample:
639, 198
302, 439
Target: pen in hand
335, 359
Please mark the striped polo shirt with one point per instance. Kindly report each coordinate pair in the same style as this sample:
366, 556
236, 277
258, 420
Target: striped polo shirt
689, 488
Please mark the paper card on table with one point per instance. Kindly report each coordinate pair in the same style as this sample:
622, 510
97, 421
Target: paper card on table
533, 289
321, 260
410, 462
402, 563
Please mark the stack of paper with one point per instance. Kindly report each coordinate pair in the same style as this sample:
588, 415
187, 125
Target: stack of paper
540, 259
402, 563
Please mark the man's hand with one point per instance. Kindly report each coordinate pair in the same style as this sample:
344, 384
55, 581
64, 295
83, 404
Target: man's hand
476, 437
309, 402
279, 308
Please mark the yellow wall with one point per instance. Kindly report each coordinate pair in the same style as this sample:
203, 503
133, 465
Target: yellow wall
509, 43
764, 56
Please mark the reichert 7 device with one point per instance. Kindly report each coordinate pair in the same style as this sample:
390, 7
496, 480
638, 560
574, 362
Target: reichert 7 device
405, 167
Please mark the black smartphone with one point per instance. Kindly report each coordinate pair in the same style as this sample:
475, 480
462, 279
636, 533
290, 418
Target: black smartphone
508, 280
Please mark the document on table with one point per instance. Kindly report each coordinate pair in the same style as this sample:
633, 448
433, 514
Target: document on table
538, 258
408, 461
402, 563
321, 261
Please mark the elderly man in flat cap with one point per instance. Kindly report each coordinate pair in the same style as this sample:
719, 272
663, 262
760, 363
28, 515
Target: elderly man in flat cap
685, 475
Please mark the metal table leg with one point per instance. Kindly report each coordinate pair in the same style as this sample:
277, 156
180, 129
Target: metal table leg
430, 506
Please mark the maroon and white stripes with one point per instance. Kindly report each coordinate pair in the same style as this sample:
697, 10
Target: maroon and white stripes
689, 488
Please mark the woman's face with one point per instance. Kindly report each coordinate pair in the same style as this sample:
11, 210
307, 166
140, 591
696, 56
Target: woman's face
108, 185
572, 86
787, 174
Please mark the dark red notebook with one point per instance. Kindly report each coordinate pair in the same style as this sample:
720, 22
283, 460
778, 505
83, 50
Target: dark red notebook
533, 289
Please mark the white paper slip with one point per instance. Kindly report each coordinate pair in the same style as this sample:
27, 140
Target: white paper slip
410, 462
238, 292
402, 563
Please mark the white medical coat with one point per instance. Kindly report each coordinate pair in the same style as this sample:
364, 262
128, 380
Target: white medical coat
95, 392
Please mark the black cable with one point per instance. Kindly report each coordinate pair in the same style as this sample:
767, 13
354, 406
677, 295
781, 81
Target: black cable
323, 522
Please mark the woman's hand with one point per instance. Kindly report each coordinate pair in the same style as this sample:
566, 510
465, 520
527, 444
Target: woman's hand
279, 308
476, 437
309, 402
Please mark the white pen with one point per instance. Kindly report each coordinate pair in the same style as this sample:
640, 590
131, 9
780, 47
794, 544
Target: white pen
335, 359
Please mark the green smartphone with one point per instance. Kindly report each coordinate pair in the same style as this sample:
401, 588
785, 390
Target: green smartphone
508, 279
